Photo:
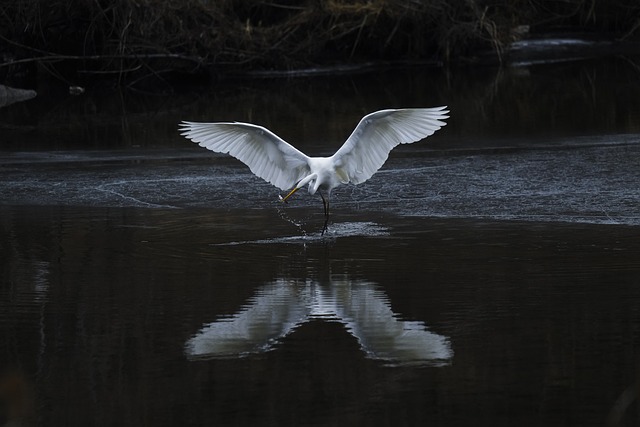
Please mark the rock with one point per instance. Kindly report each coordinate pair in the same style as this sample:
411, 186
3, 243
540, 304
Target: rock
10, 95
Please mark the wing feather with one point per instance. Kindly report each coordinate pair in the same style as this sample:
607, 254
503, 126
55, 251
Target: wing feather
368, 147
267, 155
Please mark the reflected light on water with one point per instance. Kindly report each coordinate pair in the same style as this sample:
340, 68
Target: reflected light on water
279, 308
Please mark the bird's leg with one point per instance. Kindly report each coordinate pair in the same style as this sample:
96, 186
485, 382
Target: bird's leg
325, 204
284, 199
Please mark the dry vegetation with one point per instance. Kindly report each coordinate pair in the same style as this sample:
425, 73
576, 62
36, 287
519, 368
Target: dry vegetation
135, 39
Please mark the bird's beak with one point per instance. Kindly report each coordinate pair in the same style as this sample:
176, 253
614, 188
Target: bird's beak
284, 199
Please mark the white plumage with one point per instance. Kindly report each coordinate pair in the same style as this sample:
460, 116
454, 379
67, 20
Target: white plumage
281, 307
276, 161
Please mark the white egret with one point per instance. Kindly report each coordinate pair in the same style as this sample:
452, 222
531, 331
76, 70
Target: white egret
274, 160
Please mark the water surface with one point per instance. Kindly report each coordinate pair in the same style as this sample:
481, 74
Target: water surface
524, 323
488, 276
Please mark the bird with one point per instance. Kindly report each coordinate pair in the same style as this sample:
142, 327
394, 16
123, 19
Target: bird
276, 161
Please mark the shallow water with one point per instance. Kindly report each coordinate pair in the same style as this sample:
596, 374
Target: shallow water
136, 316
490, 277
594, 182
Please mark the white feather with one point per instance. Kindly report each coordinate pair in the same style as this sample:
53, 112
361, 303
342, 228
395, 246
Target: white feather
368, 147
274, 160
267, 155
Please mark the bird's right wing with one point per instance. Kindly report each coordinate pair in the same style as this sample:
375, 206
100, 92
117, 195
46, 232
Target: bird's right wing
368, 147
267, 155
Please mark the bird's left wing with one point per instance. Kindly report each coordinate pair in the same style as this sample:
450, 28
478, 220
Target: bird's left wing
267, 155
270, 315
368, 147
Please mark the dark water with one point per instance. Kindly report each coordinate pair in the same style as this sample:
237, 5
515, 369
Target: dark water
489, 277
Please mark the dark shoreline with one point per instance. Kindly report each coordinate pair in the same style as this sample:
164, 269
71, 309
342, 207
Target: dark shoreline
128, 43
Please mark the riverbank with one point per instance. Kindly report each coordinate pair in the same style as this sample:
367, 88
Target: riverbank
137, 42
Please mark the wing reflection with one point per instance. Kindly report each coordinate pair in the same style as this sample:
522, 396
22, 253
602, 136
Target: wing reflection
280, 307
270, 315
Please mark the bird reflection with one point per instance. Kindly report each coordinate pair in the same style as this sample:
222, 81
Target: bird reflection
284, 305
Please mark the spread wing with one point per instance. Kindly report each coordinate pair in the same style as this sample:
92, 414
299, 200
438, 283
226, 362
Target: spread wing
368, 147
267, 155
